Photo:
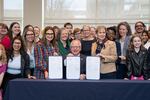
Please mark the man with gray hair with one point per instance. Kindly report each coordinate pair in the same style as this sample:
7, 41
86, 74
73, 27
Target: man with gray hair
75, 48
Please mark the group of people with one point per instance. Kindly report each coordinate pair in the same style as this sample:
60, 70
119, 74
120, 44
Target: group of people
124, 55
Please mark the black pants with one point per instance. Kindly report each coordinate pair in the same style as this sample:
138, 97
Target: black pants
32, 71
121, 71
7, 78
111, 75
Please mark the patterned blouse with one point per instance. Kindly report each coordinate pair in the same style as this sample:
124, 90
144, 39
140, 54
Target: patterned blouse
41, 54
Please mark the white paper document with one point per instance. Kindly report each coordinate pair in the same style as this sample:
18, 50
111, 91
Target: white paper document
73, 68
93, 67
55, 67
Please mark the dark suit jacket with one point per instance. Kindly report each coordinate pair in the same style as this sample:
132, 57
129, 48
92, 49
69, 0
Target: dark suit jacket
82, 64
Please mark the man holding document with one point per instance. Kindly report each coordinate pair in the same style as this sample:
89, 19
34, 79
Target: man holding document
75, 48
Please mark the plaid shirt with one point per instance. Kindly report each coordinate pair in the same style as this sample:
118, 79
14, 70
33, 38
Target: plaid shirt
41, 53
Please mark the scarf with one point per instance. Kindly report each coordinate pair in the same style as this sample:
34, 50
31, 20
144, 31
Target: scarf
62, 50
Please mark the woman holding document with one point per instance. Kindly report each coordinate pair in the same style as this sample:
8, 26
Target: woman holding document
106, 50
43, 49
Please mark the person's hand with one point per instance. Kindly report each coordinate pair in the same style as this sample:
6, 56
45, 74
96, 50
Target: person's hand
46, 74
82, 77
55, 54
31, 77
126, 79
70, 55
122, 57
102, 56
98, 54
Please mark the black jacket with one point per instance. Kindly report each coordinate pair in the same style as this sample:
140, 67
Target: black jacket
25, 64
137, 63
148, 58
82, 65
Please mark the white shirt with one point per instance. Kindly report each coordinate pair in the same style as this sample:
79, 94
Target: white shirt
147, 45
14, 66
122, 45
31, 55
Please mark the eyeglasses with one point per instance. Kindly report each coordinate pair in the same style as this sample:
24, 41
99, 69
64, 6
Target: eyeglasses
139, 26
75, 47
86, 30
49, 33
29, 34
17, 42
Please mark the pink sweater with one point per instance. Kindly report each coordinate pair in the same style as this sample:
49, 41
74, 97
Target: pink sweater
3, 68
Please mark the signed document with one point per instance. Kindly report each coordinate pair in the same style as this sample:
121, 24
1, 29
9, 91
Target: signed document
93, 67
55, 67
73, 68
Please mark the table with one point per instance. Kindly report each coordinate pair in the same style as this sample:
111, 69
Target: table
27, 89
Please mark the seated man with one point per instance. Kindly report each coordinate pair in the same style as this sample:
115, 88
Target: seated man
75, 48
